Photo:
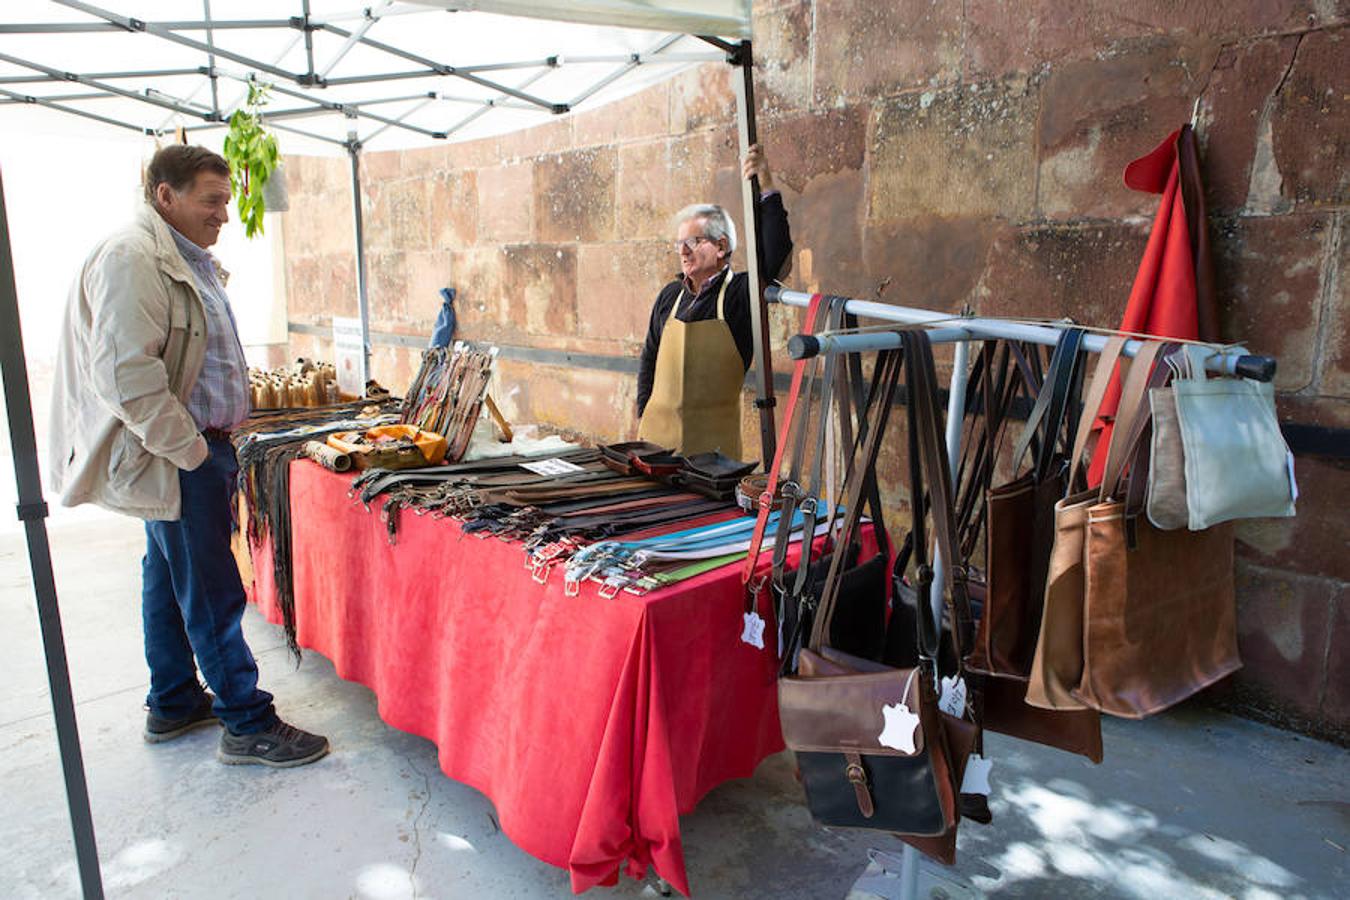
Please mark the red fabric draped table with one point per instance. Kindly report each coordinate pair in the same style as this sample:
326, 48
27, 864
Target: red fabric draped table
590, 723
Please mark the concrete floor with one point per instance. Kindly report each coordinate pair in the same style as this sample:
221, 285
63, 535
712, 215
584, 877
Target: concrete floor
1189, 804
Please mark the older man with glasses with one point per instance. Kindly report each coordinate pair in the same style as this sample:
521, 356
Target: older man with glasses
699, 341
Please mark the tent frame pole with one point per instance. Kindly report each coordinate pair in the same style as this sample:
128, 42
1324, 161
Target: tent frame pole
32, 511
362, 297
742, 57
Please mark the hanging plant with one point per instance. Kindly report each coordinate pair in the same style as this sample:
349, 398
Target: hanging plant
252, 154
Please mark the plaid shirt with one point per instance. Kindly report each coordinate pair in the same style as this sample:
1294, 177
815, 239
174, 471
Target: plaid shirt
220, 398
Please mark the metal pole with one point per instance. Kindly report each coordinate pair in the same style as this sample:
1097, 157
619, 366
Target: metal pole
32, 511
211, 59
309, 46
802, 346
956, 412
759, 310
363, 301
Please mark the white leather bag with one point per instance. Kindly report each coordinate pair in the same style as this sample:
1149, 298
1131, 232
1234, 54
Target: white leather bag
1238, 465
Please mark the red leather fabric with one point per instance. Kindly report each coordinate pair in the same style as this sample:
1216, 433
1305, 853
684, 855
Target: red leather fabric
1163, 299
591, 724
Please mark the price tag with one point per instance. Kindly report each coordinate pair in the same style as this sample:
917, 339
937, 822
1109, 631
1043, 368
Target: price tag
953, 699
901, 724
976, 780
753, 631
552, 467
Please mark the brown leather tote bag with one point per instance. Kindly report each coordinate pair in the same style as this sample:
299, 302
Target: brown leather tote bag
1021, 527
1160, 616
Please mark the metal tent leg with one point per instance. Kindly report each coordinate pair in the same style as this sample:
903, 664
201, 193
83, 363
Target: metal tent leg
33, 512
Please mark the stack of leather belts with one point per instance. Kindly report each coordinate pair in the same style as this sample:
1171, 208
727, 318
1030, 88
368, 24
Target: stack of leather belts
265, 446
622, 531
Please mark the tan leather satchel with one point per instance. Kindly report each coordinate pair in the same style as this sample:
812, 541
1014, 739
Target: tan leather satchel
1154, 609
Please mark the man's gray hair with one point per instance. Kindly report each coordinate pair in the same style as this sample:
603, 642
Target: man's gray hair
716, 222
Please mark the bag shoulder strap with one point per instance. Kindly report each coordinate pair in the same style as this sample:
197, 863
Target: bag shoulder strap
880, 403
785, 431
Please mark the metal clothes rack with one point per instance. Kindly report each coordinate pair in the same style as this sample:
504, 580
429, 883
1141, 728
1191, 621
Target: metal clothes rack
961, 330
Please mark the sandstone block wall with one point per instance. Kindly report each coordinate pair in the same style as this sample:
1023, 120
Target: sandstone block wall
935, 153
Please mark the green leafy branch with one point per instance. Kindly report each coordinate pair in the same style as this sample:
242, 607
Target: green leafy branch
252, 154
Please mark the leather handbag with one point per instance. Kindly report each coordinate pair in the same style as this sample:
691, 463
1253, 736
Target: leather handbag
834, 724
960, 734
1159, 619
1166, 501
1238, 465
870, 746
1057, 666
1020, 525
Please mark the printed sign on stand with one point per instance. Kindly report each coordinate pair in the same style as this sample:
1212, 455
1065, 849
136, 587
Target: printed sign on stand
349, 356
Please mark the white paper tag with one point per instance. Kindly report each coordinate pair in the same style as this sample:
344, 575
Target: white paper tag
976, 780
1293, 482
552, 467
753, 631
953, 699
901, 725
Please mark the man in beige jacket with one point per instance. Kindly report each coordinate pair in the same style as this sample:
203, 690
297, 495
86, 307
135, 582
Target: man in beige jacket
150, 381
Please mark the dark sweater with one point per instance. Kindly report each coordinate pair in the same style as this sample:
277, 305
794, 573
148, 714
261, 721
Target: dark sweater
775, 243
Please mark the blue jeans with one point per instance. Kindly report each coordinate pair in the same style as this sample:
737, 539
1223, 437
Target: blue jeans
192, 602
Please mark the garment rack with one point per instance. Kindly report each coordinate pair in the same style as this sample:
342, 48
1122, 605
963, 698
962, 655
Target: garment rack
946, 328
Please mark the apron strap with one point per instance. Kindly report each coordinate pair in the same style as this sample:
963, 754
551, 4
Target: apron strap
721, 295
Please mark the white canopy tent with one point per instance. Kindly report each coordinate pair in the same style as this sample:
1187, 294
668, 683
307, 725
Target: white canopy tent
387, 76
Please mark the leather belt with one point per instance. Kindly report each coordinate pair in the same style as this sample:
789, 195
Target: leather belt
216, 434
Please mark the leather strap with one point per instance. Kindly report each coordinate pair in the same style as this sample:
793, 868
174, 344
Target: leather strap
1101, 377
1047, 416
766, 498
857, 776
1131, 408
878, 413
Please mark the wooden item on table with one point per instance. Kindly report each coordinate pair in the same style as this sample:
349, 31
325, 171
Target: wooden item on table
503, 426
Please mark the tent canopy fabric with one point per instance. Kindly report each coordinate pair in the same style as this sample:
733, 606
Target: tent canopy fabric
729, 18
391, 75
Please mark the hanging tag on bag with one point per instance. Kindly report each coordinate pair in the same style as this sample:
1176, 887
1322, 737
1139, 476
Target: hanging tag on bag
752, 623
752, 632
953, 699
901, 724
976, 779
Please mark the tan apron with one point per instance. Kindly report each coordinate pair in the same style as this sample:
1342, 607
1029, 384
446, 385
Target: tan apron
695, 405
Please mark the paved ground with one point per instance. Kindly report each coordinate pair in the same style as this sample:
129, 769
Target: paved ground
1190, 804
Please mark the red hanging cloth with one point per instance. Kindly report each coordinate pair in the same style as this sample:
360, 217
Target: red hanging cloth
1173, 293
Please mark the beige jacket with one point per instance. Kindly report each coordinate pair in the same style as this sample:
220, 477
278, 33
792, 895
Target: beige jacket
132, 345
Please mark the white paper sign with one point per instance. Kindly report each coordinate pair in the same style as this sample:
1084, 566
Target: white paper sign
349, 356
552, 467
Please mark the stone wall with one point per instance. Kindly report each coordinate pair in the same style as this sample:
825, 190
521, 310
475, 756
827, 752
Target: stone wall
936, 153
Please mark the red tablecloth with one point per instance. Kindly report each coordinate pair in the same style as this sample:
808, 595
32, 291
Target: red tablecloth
590, 723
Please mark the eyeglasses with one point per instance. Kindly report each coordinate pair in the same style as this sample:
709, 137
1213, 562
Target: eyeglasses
690, 243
